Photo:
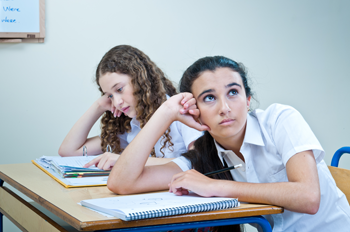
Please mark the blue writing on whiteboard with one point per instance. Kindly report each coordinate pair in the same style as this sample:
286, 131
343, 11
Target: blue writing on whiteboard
8, 8
6, 20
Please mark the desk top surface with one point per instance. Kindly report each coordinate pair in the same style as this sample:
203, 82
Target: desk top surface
63, 202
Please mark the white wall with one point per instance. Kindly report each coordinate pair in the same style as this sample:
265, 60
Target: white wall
297, 53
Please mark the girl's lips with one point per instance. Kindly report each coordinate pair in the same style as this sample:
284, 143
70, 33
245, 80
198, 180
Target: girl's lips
226, 121
125, 109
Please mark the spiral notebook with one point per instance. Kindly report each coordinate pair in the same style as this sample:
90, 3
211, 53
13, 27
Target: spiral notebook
154, 205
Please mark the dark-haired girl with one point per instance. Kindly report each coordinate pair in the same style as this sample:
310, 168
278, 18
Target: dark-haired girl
132, 89
281, 157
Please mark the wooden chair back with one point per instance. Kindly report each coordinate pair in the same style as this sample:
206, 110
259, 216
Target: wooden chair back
342, 179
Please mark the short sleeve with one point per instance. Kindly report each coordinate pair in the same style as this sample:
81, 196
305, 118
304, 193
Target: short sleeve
123, 140
188, 134
292, 134
183, 163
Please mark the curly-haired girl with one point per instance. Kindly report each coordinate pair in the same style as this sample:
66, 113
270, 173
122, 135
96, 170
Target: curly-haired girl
132, 88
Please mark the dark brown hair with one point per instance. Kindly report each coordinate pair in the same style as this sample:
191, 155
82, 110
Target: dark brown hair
150, 89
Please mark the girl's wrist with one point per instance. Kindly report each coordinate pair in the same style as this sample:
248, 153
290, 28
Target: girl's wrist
168, 112
98, 108
218, 187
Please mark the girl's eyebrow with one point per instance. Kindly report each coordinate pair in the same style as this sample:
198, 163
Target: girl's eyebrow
112, 87
232, 84
205, 91
226, 86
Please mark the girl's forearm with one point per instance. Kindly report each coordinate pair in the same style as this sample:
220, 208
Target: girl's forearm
157, 161
77, 136
300, 194
293, 196
131, 163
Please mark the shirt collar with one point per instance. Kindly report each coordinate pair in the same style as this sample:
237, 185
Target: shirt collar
252, 136
135, 122
221, 151
253, 132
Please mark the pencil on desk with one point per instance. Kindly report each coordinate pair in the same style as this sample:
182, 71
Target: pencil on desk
223, 170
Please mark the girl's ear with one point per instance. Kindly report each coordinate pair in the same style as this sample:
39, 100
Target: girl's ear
248, 101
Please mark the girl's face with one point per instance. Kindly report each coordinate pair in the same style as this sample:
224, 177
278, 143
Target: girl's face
222, 102
118, 88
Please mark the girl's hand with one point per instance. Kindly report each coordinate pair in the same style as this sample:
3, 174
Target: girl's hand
184, 109
189, 106
105, 161
192, 180
106, 104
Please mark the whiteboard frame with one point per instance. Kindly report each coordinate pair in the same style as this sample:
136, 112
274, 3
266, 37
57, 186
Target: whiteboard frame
17, 37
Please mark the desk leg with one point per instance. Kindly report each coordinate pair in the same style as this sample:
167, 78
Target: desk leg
1, 215
265, 225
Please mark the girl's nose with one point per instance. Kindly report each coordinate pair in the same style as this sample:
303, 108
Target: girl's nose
224, 108
117, 102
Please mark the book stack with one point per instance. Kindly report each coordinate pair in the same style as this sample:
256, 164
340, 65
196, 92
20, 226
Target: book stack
71, 167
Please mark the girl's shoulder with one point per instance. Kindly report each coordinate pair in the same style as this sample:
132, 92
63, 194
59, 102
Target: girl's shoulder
275, 108
275, 112
278, 116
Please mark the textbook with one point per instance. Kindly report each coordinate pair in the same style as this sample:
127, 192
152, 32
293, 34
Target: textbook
59, 168
154, 205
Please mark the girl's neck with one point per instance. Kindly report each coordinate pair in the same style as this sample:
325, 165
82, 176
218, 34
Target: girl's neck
233, 143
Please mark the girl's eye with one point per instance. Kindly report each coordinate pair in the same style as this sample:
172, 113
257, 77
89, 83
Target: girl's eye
120, 89
233, 92
208, 98
110, 96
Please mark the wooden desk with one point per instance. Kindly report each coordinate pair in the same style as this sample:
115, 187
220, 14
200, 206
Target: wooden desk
45, 191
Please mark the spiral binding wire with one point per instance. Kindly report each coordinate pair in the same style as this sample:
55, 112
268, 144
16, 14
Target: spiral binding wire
184, 209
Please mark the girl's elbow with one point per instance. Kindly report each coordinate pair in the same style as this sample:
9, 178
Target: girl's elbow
65, 152
315, 206
313, 203
61, 152
118, 188
314, 210
112, 187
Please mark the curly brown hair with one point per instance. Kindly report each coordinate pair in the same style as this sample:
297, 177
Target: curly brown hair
150, 89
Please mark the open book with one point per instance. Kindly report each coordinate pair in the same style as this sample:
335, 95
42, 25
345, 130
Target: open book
157, 205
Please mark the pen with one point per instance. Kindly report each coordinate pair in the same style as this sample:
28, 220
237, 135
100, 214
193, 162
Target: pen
223, 170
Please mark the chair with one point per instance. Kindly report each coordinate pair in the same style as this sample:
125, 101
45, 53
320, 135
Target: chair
341, 175
338, 154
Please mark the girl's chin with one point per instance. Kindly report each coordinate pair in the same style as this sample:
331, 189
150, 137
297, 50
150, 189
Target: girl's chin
131, 115
220, 134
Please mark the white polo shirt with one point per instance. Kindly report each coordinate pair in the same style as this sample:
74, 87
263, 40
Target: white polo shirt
181, 137
272, 137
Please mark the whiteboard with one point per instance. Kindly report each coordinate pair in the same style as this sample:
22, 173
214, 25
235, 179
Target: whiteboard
19, 16
22, 19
